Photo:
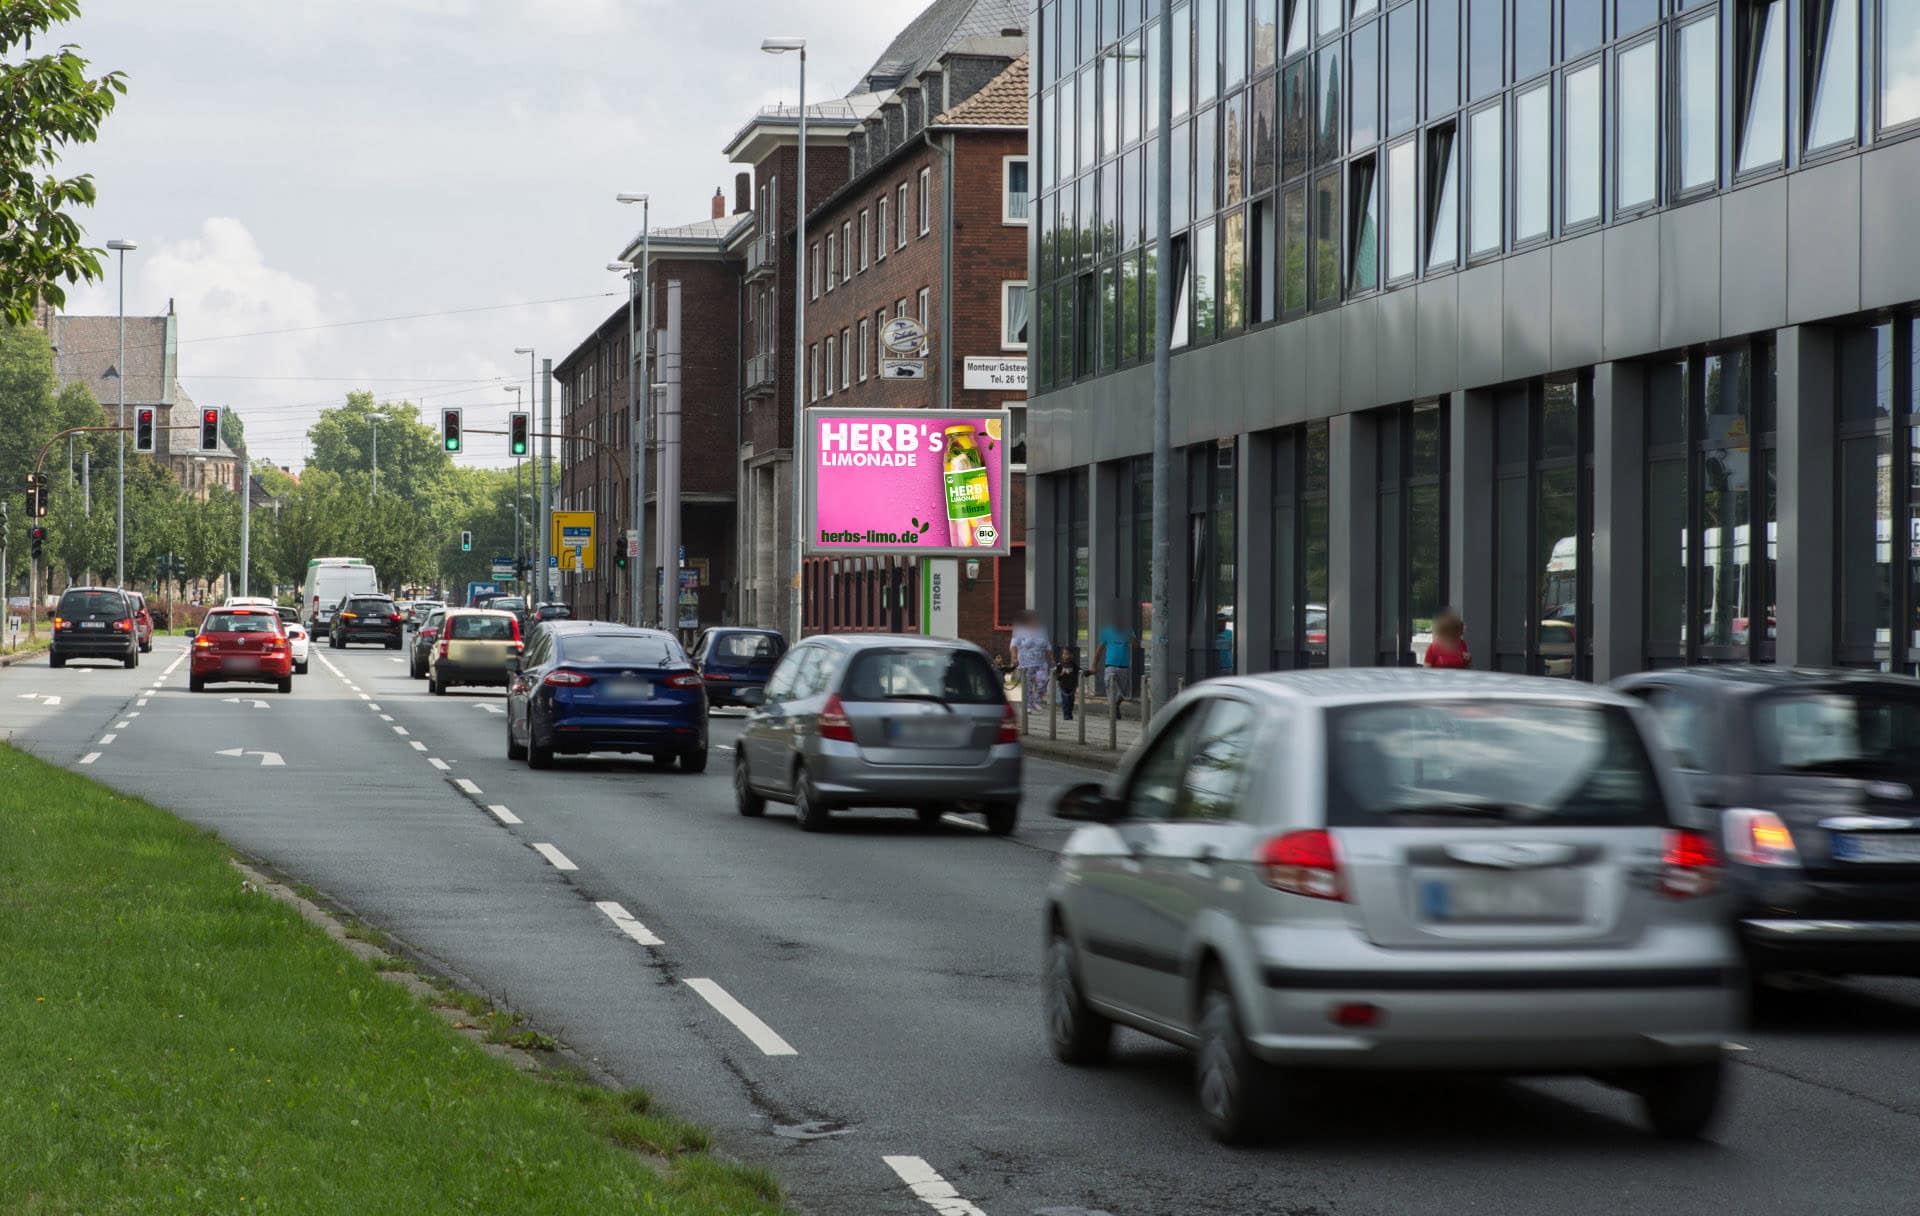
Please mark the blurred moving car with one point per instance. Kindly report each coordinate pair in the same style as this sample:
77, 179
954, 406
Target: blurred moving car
476, 646
516, 604
302, 645
734, 660
881, 720
241, 645
1396, 868
365, 618
421, 610
553, 611
586, 686
94, 623
142, 621
1812, 776
420, 650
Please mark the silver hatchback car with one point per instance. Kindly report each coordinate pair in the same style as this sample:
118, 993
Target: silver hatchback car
883, 720
1396, 869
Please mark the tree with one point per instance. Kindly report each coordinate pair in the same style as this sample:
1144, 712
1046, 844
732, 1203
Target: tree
47, 104
210, 534
412, 459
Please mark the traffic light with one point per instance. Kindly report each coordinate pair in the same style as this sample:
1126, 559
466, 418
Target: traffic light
36, 495
38, 535
210, 429
143, 429
517, 423
620, 557
466, 542
450, 428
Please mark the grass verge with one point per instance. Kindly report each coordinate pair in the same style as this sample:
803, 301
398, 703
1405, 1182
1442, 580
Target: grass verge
174, 1043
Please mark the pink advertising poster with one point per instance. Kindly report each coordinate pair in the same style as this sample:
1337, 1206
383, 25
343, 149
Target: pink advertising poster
907, 481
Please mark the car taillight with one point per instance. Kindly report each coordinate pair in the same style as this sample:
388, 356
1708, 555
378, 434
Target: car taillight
429, 634
443, 648
1689, 864
834, 723
516, 629
1304, 863
1758, 838
1009, 725
568, 679
686, 679
202, 644
61, 623
715, 675
393, 616
349, 616
122, 626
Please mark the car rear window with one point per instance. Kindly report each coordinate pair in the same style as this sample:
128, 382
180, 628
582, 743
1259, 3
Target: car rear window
1851, 732
288, 615
958, 677
482, 629
623, 648
240, 622
376, 607
92, 603
746, 646
1461, 762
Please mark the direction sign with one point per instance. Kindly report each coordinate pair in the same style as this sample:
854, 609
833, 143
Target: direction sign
503, 571
573, 539
904, 336
903, 369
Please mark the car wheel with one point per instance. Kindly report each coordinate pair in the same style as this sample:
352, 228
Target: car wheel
434, 685
146, 648
694, 761
745, 801
808, 811
133, 657
300, 669
56, 660
286, 684
393, 645
1680, 1102
1077, 1034
196, 684
1229, 1080
514, 750
1001, 817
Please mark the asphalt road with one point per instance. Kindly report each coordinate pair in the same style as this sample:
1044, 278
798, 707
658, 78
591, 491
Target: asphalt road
859, 1009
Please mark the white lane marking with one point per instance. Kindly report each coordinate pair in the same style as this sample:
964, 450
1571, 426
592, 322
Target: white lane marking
466, 786
267, 759
364, 696
391, 659
560, 860
144, 700
374, 708
121, 725
90, 757
400, 730
45, 698
417, 746
438, 763
492, 709
134, 714
1730, 1045
972, 825
386, 717
931, 1189
743, 1019
504, 815
107, 738
627, 925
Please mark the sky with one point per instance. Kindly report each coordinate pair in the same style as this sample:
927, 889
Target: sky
294, 166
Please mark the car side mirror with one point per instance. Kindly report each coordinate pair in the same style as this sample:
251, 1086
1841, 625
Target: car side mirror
1086, 803
754, 697
189, 632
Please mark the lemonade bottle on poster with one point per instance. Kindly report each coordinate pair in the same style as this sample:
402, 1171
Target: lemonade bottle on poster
969, 498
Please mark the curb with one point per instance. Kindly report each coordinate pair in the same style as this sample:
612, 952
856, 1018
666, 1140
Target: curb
1096, 759
13, 659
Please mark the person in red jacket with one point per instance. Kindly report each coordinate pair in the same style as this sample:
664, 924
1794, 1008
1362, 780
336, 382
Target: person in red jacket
1449, 645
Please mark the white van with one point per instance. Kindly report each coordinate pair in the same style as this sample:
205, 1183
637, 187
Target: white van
328, 581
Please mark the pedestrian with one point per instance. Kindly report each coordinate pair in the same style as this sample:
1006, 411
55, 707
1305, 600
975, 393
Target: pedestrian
1116, 660
1448, 648
1066, 677
1032, 655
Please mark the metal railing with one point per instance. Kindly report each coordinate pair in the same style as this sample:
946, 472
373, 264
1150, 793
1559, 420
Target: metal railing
763, 254
760, 371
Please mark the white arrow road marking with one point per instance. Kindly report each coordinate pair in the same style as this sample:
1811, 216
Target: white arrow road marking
933, 1190
45, 698
504, 815
560, 860
743, 1019
90, 757
492, 709
257, 704
267, 759
629, 926
466, 786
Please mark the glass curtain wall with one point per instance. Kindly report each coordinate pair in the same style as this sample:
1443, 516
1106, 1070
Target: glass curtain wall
1412, 523
1212, 545
1301, 534
1877, 554
1543, 528
1071, 544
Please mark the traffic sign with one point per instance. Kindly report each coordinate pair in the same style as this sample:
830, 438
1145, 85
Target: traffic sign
573, 540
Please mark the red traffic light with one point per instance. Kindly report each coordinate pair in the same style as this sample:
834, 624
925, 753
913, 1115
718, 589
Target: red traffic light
143, 432
210, 429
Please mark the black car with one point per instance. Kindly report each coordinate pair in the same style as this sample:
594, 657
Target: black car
366, 618
554, 611
734, 660
1813, 774
588, 686
94, 623
423, 641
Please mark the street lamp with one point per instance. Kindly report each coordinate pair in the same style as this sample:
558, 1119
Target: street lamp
123, 248
639, 279
373, 424
517, 401
780, 46
541, 574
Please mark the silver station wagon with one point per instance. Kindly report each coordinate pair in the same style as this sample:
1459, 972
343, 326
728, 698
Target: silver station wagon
1396, 869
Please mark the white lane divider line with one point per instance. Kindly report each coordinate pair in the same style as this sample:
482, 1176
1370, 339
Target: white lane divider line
90, 757
374, 708
440, 764
144, 700
386, 717
931, 1189
417, 746
107, 738
122, 725
504, 815
743, 1019
466, 786
560, 860
364, 696
623, 919
400, 730
1730, 1045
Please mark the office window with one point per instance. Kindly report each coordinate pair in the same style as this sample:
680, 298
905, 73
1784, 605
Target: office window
900, 307
926, 306
1296, 128
901, 210
1326, 139
1532, 162
830, 365
1698, 90
1294, 296
1013, 209
1088, 113
1363, 232
1762, 48
1298, 562
1582, 27
1326, 237
1106, 76
1443, 56
833, 264
1637, 110
1532, 37
1133, 90
1363, 83
1233, 150
1109, 318
1327, 13
1361, 8
1266, 33
1632, 15
1264, 136
1899, 62
1485, 146
1297, 24
1131, 309
1206, 51
1401, 224
1233, 42
1486, 47
1403, 72
1206, 161
1581, 140
846, 360
813, 272
1263, 239
1443, 200
1130, 219
1181, 204
1182, 60
1832, 55
926, 201
1013, 315
880, 229
1205, 276
846, 250
1107, 230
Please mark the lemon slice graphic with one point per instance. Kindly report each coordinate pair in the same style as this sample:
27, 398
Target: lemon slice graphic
993, 428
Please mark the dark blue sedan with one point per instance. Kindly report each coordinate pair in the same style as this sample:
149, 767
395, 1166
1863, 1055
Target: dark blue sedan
734, 660
587, 686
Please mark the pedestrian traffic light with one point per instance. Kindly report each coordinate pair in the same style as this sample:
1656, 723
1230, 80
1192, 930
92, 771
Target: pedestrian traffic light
143, 429
450, 428
210, 429
517, 433
38, 535
466, 542
36, 495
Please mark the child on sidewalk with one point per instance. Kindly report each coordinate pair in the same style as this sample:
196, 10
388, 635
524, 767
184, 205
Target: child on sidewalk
1066, 677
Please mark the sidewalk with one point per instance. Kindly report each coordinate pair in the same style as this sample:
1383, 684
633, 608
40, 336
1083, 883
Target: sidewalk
1092, 739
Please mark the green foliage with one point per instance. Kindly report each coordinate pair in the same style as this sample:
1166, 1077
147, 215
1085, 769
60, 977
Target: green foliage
47, 104
412, 460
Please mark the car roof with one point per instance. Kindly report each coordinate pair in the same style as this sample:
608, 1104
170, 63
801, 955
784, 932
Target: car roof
770, 633
889, 641
1388, 685
578, 628
120, 590
477, 612
1751, 679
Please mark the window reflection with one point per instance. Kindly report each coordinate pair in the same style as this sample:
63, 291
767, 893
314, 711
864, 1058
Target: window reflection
1698, 127
1295, 297
1400, 212
1832, 27
1763, 46
1899, 62
1443, 222
1639, 119
1533, 160
1326, 237
1486, 150
1582, 184
1365, 235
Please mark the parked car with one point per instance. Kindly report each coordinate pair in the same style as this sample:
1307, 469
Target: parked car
586, 686
1396, 868
1812, 775
420, 651
365, 618
94, 623
734, 660
142, 621
476, 646
297, 637
241, 645
881, 720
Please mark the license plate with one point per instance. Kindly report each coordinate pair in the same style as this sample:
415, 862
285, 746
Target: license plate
93, 624
1869, 848
1536, 897
913, 732
242, 664
630, 690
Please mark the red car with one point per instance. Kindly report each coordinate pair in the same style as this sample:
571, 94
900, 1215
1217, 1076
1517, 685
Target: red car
142, 621
241, 645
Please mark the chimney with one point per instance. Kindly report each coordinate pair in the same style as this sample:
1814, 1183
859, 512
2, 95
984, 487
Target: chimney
719, 203
742, 193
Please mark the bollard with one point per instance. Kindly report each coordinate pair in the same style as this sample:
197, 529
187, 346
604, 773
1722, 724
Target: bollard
1053, 708
1026, 703
1082, 719
1113, 720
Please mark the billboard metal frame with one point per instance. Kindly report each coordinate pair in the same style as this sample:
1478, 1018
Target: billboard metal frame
1002, 452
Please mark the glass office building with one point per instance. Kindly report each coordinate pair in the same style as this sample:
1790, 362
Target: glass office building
1591, 318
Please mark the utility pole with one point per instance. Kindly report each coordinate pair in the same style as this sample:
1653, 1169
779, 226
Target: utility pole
780, 46
1159, 665
546, 473
86, 483
120, 376
246, 522
520, 548
640, 399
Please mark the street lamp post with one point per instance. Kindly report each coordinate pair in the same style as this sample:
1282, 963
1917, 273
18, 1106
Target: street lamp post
1159, 664
780, 46
639, 368
539, 576
123, 248
373, 425
515, 390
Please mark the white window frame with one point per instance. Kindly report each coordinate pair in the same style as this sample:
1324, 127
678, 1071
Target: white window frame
829, 361
813, 372
926, 307
832, 263
900, 307
879, 340
1016, 409
880, 230
901, 219
926, 200
1006, 191
865, 238
863, 350
846, 359
813, 272
1006, 290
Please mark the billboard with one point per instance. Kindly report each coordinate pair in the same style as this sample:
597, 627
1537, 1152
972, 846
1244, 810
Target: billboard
907, 481
573, 540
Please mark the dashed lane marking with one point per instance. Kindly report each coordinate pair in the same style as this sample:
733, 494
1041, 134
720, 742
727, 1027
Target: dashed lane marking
122, 725
504, 815
466, 786
417, 746
624, 920
143, 701
559, 860
930, 1188
386, 717
744, 1020
401, 730
90, 757
374, 708
107, 738
440, 764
